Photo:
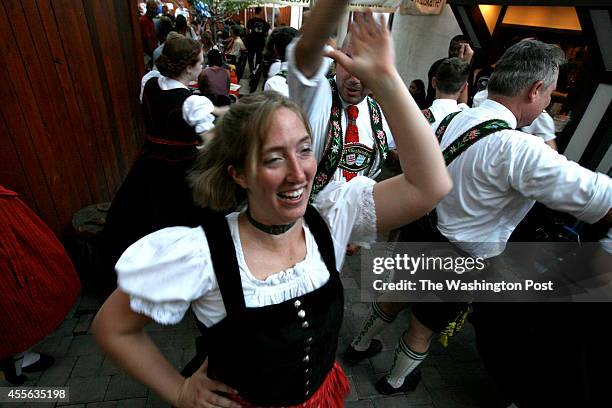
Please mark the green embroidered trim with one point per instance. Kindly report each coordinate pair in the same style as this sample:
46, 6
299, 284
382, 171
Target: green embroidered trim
429, 115
471, 136
443, 125
334, 144
282, 73
380, 138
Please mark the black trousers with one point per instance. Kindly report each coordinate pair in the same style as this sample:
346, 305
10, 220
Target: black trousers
254, 57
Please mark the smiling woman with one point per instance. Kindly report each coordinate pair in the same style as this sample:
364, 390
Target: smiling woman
263, 280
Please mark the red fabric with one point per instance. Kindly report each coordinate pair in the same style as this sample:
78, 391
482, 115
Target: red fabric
147, 30
352, 134
330, 394
39, 285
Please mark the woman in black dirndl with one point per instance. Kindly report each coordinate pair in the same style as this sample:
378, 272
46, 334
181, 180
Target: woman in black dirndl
155, 193
263, 281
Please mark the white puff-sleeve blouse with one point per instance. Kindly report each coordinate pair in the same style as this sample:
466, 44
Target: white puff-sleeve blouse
197, 109
170, 270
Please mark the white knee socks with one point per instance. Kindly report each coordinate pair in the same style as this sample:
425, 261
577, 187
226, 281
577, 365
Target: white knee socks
374, 324
404, 362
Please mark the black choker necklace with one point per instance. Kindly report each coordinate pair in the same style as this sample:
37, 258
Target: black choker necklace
269, 229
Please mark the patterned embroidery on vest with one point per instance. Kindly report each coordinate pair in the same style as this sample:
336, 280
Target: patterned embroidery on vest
429, 115
282, 73
469, 137
333, 152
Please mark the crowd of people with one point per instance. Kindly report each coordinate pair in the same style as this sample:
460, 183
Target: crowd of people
243, 212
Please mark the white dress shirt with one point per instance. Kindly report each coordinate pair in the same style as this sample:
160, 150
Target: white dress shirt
440, 108
498, 179
278, 83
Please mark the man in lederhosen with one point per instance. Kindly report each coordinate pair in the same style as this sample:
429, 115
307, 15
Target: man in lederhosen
350, 134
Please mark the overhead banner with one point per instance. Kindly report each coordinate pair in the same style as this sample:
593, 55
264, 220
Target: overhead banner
377, 6
422, 7
301, 3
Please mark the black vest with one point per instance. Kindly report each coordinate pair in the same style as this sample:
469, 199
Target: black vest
168, 135
280, 354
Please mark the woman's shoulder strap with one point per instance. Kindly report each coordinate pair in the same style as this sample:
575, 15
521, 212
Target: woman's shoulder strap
322, 236
223, 257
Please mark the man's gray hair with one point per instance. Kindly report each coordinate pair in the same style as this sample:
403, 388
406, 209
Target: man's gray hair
524, 63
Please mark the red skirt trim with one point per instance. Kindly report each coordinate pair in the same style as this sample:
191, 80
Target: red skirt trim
331, 393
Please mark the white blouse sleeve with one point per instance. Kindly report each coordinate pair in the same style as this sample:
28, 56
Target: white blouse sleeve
350, 213
197, 111
151, 74
165, 271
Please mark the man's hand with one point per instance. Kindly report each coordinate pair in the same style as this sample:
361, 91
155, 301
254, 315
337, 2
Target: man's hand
373, 54
466, 52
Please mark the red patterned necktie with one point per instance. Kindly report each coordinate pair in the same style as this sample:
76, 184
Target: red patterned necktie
352, 135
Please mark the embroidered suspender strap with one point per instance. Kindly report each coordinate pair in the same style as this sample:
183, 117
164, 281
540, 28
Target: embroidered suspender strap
332, 154
223, 257
380, 138
333, 145
429, 115
471, 136
322, 236
443, 125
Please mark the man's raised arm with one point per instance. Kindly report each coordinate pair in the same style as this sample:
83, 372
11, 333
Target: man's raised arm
321, 24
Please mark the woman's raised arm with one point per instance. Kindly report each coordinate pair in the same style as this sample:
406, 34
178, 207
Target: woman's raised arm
424, 181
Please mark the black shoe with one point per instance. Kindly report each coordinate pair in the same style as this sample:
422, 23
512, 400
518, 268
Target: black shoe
410, 384
42, 364
8, 368
353, 356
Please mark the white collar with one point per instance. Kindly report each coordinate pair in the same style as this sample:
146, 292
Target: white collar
166, 83
501, 112
444, 103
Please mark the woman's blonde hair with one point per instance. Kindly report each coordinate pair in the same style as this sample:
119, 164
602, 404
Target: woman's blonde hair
239, 136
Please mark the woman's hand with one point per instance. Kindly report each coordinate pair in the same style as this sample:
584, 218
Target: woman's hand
372, 51
200, 391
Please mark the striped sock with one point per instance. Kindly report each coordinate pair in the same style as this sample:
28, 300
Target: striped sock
374, 324
404, 362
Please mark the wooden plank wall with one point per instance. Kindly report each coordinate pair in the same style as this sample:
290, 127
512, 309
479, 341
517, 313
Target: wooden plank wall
70, 122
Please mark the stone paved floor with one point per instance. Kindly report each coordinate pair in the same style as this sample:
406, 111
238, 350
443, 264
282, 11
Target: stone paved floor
453, 377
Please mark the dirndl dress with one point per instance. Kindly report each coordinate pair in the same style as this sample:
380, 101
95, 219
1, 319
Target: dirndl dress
155, 194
